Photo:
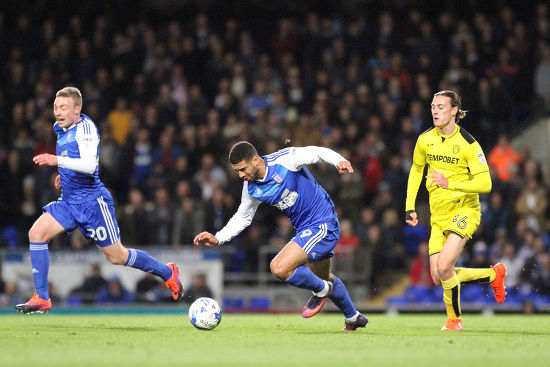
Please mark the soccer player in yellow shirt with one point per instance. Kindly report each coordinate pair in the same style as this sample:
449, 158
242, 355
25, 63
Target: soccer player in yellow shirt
457, 173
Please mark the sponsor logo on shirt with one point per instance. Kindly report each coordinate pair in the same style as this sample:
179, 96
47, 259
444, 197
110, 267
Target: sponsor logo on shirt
442, 158
288, 198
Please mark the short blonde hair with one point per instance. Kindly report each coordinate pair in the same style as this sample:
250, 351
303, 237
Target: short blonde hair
71, 92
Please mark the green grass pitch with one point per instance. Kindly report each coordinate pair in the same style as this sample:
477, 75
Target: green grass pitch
272, 340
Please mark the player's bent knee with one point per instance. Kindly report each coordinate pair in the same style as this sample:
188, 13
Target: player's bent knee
36, 235
444, 269
116, 259
278, 270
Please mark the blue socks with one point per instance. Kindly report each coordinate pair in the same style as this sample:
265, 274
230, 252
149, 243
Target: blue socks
303, 277
40, 259
141, 260
341, 298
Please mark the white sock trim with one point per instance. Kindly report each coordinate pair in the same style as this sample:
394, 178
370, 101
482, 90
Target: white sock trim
324, 292
353, 318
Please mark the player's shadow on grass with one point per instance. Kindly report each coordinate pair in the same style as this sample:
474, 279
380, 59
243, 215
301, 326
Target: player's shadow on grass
518, 333
323, 332
103, 327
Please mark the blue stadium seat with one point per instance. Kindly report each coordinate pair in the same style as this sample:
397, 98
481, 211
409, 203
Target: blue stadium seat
418, 293
259, 304
233, 305
397, 301
540, 301
472, 293
72, 301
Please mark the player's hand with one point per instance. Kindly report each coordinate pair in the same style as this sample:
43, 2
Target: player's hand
57, 183
343, 167
207, 239
437, 179
411, 219
45, 159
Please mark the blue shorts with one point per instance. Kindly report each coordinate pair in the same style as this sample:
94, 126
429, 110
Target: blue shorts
95, 219
319, 240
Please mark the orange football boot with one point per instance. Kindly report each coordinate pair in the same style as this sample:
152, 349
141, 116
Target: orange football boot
315, 303
35, 304
174, 282
498, 283
452, 325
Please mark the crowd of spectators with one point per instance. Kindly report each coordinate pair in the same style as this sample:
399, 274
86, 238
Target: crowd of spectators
171, 93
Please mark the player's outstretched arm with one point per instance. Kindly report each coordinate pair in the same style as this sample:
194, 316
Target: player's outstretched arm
45, 159
207, 239
344, 167
303, 156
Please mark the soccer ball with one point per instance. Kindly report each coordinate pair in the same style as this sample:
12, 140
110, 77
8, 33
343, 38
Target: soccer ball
205, 313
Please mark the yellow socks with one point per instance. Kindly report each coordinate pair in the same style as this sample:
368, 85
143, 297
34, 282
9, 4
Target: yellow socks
474, 276
451, 296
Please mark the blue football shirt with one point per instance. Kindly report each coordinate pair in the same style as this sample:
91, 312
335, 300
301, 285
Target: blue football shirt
79, 141
289, 186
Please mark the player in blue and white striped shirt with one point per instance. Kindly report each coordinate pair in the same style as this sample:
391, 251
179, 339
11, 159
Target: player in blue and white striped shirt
282, 180
84, 203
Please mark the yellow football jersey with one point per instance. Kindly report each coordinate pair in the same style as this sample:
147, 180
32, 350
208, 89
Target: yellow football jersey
458, 157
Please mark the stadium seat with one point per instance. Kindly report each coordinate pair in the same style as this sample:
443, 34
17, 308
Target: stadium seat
418, 293
472, 293
397, 301
231, 305
259, 304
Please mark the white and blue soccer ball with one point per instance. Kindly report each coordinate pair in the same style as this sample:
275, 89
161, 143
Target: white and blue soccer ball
205, 313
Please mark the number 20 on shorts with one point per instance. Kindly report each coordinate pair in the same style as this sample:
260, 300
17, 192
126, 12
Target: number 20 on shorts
100, 232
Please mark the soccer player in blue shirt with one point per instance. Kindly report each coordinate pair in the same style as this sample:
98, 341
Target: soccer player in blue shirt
84, 203
282, 180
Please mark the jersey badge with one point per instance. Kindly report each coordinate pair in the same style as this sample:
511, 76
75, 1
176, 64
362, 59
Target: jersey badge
277, 178
481, 158
69, 136
456, 148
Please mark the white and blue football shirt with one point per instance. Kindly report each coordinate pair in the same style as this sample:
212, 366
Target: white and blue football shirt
289, 186
77, 149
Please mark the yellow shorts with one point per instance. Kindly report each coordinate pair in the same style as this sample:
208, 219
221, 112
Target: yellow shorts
462, 221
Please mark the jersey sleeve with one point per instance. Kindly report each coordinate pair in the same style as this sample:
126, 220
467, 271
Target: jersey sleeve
413, 184
241, 219
476, 159
299, 157
87, 139
479, 169
415, 175
419, 155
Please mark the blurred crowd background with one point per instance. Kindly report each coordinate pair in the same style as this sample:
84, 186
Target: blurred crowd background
172, 85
